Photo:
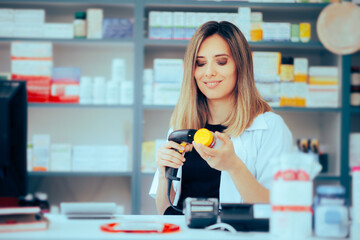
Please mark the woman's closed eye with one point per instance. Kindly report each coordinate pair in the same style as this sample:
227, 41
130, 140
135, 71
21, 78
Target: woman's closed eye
222, 61
200, 63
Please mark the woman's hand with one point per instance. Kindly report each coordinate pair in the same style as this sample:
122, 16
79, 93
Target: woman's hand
223, 158
167, 157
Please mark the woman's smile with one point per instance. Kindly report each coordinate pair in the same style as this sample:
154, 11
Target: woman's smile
212, 84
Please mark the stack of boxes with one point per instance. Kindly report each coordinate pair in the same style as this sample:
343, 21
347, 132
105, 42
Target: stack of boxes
30, 23
323, 88
289, 82
100, 158
32, 61
182, 25
62, 157
267, 75
168, 75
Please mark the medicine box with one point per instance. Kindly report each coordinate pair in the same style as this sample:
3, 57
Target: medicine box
117, 28
60, 157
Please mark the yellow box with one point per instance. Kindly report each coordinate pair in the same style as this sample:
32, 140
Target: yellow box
305, 32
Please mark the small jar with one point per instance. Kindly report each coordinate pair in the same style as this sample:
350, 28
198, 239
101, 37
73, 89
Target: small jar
80, 25
208, 138
331, 212
287, 69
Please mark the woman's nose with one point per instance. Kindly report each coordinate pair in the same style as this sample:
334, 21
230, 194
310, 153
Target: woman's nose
210, 70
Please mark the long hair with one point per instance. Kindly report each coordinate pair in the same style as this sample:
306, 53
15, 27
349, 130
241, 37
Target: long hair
192, 111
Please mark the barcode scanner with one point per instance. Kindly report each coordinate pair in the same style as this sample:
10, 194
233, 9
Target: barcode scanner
178, 136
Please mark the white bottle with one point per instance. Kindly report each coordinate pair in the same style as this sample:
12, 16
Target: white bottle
99, 90
112, 92
127, 92
86, 90
118, 70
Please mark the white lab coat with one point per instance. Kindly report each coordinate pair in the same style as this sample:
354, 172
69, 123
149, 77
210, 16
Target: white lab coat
266, 138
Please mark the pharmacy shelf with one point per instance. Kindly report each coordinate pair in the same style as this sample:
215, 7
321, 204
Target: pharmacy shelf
158, 107
147, 174
75, 105
320, 177
234, 4
276, 109
105, 174
355, 110
112, 2
305, 109
324, 177
262, 44
125, 41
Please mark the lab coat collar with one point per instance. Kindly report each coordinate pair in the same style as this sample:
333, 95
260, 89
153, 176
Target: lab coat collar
258, 124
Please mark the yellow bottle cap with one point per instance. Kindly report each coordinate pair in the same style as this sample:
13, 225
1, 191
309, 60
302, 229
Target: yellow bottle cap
203, 136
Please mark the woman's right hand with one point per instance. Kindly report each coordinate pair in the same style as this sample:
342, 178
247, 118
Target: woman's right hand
167, 157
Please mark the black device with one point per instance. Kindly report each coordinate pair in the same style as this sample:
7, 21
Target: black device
178, 136
201, 212
243, 217
13, 140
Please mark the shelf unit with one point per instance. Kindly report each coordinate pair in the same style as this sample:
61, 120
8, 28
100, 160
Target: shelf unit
332, 122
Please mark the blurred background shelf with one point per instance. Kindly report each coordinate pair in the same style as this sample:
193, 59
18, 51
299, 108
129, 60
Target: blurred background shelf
80, 174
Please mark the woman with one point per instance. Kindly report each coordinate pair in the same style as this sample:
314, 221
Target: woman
219, 93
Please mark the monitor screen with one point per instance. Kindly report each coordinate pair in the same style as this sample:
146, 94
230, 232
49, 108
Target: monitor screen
13, 139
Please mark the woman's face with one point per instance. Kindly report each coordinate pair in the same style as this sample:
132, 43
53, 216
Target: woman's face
215, 70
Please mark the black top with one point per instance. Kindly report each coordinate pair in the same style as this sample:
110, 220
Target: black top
198, 178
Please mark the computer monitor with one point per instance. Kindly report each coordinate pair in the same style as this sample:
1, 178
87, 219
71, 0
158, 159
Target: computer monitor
13, 141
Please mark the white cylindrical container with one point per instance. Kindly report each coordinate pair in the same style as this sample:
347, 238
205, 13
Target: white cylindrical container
291, 216
127, 92
112, 92
118, 70
99, 90
356, 195
86, 90
331, 212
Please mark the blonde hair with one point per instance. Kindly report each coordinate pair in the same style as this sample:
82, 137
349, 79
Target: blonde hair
192, 111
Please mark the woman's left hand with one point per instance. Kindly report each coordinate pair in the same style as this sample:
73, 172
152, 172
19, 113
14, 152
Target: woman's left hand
223, 158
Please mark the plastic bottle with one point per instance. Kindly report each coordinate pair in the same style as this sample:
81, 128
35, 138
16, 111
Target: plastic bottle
331, 212
287, 69
80, 25
99, 89
208, 138
356, 195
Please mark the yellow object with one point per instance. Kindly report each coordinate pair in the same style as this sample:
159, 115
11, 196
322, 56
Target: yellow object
305, 32
323, 80
184, 145
286, 72
300, 78
148, 157
256, 33
203, 136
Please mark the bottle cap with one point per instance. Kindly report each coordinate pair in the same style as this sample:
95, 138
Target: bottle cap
80, 15
355, 69
203, 136
287, 60
330, 190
